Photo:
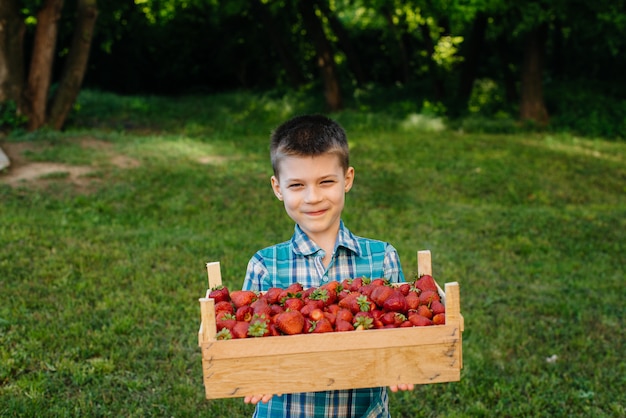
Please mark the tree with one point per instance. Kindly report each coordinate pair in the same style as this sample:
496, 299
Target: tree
32, 93
324, 52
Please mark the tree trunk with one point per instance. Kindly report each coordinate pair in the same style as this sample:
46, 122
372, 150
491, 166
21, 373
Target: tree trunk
324, 53
75, 64
40, 74
532, 106
344, 42
12, 30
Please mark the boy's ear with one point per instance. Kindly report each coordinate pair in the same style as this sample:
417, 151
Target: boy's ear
349, 178
276, 188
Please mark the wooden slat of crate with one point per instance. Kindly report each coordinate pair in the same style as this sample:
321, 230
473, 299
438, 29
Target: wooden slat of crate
357, 359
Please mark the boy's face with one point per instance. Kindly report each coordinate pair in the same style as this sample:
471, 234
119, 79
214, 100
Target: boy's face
313, 190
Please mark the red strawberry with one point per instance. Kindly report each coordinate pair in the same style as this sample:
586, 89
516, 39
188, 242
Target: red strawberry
224, 306
342, 325
344, 314
439, 319
228, 321
316, 314
406, 324
412, 300
437, 307
321, 325
404, 288
427, 296
240, 330
276, 309
357, 284
419, 320
272, 295
396, 302
259, 326
379, 281
426, 282
425, 311
244, 313
220, 293
293, 304
261, 307
241, 298
380, 294
334, 308
331, 317
289, 322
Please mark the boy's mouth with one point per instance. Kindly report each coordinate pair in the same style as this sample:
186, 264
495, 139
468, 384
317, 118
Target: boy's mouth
316, 213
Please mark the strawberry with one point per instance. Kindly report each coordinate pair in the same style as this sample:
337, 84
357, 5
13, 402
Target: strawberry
227, 321
426, 282
331, 317
224, 306
244, 313
425, 311
437, 307
323, 296
241, 298
439, 319
380, 294
316, 314
220, 293
289, 322
396, 302
259, 326
379, 281
357, 283
356, 302
427, 296
404, 288
272, 295
419, 320
334, 308
275, 309
412, 300
293, 303
344, 314
224, 334
240, 330
342, 325
321, 325
405, 324
363, 321
261, 307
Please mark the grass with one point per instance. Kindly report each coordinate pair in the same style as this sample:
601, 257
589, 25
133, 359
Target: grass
99, 312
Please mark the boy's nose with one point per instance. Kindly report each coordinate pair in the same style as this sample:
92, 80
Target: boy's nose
312, 195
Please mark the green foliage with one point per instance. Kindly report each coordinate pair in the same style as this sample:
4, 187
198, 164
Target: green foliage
100, 283
10, 118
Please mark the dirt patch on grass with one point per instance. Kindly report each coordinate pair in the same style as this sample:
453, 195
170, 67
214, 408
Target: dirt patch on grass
23, 172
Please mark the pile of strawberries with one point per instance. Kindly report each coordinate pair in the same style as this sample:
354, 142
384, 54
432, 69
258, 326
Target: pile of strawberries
353, 304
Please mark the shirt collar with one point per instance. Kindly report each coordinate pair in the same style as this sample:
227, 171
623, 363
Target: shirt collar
303, 245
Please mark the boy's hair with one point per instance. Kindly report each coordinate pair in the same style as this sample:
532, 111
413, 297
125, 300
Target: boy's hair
309, 135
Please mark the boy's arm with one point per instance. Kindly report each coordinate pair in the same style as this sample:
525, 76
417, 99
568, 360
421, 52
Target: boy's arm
255, 274
391, 266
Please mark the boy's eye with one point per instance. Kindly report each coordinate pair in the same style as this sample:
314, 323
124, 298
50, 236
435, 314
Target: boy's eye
328, 181
295, 185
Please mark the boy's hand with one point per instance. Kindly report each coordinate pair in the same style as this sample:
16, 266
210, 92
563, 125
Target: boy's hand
402, 386
255, 399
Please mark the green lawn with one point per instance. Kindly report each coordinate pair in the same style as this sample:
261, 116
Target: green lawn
99, 282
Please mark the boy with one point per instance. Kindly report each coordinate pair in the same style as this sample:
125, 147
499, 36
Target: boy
312, 174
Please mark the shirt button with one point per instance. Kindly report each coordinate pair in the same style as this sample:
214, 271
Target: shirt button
325, 279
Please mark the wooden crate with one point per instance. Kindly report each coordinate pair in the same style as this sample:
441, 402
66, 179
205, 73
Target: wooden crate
331, 361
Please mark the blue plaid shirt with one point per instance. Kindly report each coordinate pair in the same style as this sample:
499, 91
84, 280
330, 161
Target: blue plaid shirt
300, 260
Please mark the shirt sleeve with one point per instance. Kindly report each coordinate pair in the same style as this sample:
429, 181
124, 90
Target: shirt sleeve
392, 267
256, 272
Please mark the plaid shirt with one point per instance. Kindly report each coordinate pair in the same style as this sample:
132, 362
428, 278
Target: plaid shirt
300, 260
